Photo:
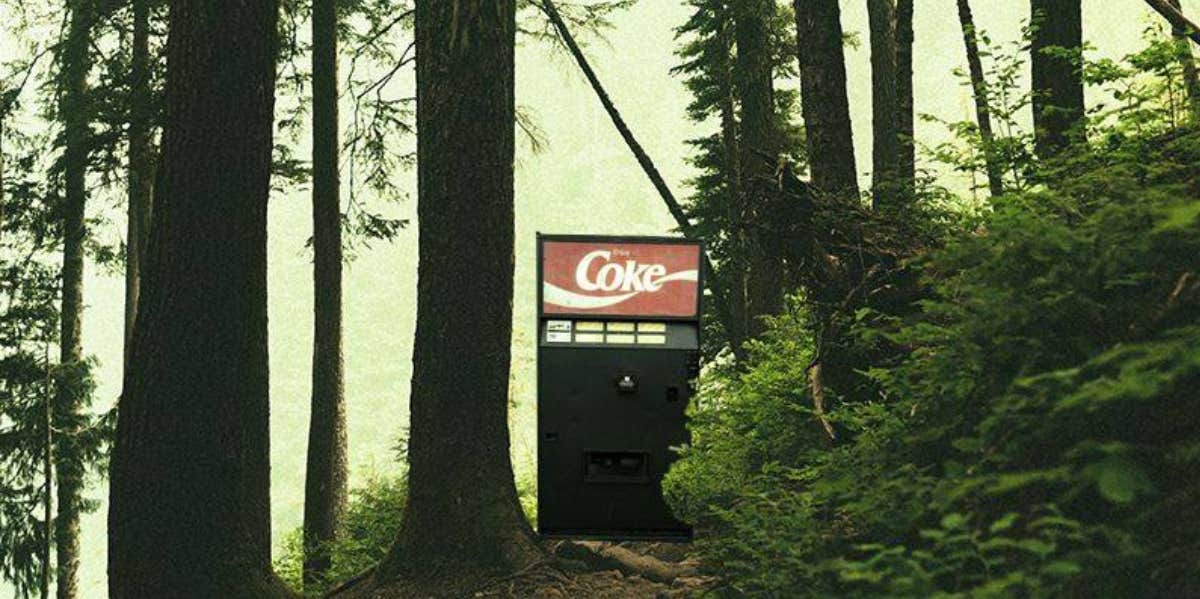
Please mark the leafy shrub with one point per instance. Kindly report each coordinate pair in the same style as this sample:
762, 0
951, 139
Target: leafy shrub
1037, 436
370, 525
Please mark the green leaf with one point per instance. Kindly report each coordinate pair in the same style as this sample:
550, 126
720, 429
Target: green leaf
1121, 480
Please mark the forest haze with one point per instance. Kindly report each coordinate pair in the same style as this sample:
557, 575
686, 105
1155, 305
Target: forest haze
573, 173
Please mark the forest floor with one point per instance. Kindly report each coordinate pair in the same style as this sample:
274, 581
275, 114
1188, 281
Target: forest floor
633, 570
574, 570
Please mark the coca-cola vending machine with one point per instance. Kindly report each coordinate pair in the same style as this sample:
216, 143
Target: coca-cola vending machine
618, 353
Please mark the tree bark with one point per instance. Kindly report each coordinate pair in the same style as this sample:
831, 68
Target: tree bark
823, 96
48, 477
759, 145
904, 94
141, 165
979, 89
885, 103
462, 520
75, 62
1058, 107
1175, 16
325, 478
723, 295
733, 277
1187, 63
190, 472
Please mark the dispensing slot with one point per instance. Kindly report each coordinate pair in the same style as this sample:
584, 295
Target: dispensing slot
616, 466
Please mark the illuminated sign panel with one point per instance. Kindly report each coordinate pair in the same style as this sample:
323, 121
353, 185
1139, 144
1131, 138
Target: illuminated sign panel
619, 278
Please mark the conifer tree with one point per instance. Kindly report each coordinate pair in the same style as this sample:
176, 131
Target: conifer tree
189, 507
461, 519
1056, 52
826, 107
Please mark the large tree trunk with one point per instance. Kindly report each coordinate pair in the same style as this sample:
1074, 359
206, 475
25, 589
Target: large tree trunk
760, 144
190, 473
1187, 62
325, 479
904, 96
1057, 79
462, 520
885, 103
141, 165
823, 96
979, 88
75, 62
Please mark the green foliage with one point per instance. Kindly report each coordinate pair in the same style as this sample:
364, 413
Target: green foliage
707, 62
370, 525
1030, 429
29, 379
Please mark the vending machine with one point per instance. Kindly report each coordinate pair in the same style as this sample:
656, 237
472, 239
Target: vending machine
618, 355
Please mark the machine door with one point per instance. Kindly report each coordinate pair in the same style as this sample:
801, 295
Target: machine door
607, 418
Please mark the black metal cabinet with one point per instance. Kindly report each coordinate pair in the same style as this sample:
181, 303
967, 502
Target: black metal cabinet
614, 384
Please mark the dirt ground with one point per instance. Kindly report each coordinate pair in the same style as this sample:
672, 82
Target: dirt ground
643, 571
574, 570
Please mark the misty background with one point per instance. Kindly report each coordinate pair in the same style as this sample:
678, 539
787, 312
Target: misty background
583, 181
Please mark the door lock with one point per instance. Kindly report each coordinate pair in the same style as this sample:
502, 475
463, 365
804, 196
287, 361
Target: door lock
626, 383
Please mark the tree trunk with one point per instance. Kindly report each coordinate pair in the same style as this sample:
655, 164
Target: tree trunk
1176, 17
1187, 62
462, 520
983, 110
325, 479
141, 165
885, 103
823, 96
75, 62
1058, 108
759, 146
48, 478
904, 94
734, 266
190, 472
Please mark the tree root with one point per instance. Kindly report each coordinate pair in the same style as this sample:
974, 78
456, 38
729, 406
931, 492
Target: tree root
606, 556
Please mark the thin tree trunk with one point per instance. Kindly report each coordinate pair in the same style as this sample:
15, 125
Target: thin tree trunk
1175, 16
885, 103
1058, 108
722, 301
734, 270
75, 62
48, 476
141, 165
325, 479
823, 96
1187, 62
759, 144
462, 520
979, 88
904, 94
190, 472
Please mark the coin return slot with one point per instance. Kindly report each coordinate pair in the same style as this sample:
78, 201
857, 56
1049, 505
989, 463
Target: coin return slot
616, 466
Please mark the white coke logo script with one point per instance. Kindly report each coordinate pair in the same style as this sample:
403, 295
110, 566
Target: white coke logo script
614, 276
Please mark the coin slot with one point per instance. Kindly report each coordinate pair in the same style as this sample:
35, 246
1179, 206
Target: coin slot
616, 466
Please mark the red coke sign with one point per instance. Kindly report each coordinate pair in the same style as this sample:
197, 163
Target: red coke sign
621, 277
